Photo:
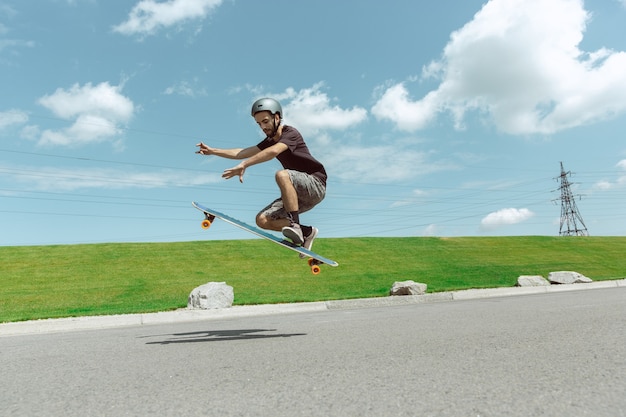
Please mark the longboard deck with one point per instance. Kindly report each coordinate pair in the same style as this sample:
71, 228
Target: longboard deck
264, 234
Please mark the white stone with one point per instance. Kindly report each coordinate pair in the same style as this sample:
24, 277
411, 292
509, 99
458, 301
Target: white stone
567, 277
408, 288
211, 295
532, 281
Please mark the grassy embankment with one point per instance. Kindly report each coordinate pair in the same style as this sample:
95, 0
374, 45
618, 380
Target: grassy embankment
77, 280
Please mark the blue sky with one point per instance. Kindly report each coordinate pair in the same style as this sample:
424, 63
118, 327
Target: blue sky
442, 118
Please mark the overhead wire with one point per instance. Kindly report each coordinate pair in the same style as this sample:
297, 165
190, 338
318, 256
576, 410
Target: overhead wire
461, 203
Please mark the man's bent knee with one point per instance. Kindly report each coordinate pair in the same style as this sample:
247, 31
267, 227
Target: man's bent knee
282, 176
262, 221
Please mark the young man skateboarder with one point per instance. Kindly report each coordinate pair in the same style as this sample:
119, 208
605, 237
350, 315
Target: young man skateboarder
302, 182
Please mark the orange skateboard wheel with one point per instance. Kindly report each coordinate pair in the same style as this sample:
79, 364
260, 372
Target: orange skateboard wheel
315, 266
206, 224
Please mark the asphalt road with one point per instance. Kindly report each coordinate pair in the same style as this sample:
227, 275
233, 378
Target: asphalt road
557, 354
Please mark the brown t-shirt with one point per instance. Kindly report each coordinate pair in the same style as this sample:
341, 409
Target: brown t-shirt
297, 156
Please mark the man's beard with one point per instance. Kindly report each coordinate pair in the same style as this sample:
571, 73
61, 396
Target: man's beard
271, 132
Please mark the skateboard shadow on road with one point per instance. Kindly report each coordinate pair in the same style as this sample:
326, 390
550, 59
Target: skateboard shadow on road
221, 336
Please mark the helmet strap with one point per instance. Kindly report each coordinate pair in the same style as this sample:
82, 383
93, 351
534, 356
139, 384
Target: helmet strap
275, 129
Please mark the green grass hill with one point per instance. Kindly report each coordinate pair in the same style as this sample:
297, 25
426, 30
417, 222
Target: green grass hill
76, 280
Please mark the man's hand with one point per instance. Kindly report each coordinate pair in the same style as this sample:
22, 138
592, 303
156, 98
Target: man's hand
236, 171
204, 149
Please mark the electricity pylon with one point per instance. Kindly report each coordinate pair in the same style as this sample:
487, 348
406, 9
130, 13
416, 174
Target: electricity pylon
572, 223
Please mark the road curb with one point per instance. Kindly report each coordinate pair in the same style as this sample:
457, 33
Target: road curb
186, 315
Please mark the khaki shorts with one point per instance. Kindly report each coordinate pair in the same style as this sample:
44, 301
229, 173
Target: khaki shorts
311, 191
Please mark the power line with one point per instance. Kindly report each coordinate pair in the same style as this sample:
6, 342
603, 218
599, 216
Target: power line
437, 205
80, 158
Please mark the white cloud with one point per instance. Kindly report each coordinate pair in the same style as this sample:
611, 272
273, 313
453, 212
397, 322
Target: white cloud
11, 44
378, 164
186, 89
97, 112
75, 2
71, 179
603, 185
408, 115
519, 62
415, 196
12, 117
620, 181
314, 114
148, 16
311, 111
15, 43
505, 217
430, 231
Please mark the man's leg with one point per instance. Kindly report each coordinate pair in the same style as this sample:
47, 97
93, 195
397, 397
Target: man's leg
288, 193
283, 214
265, 221
289, 198
300, 193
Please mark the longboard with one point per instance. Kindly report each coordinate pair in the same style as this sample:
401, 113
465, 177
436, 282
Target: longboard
315, 260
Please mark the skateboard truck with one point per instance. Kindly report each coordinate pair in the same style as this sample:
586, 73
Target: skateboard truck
206, 223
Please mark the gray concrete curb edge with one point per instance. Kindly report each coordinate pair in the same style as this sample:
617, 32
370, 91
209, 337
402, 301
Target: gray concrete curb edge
187, 315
